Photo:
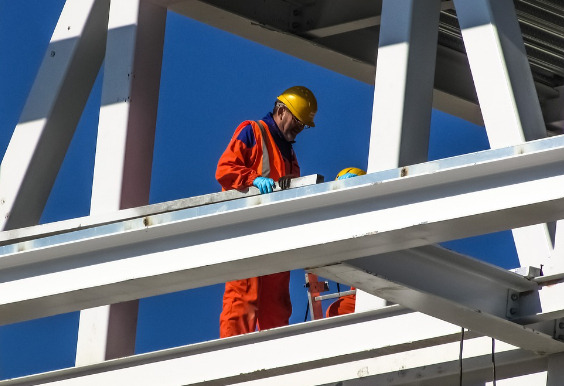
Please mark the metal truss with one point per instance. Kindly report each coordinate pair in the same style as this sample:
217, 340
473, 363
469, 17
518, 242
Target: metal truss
329, 223
462, 291
376, 232
421, 350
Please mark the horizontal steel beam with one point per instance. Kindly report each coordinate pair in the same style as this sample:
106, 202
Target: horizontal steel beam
337, 23
447, 95
406, 347
541, 305
451, 287
16, 237
298, 228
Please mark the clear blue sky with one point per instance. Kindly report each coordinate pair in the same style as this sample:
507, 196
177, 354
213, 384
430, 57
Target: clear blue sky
211, 81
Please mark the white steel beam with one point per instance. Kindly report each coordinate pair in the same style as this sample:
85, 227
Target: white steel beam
124, 155
451, 287
311, 51
128, 117
338, 18
388, 346
501, 71
507, 94
21, 235
52, 112
541, 305
299, 228
343, 27
270, 37
403, 89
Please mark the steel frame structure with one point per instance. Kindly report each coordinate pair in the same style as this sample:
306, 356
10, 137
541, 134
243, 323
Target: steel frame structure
382, 241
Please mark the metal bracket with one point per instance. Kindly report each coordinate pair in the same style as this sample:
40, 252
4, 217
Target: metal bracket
513, 305
528, 272
559, 329
512, 310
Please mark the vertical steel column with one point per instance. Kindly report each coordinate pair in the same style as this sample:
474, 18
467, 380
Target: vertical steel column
557, 256
507, 94
554, 110
52, 112
124, 154
501, 71
536, 379
555, 373
403, 92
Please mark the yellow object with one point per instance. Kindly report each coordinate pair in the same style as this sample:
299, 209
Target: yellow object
356, 171
301, 102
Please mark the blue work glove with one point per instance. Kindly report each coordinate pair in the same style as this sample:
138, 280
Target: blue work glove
347, 175
265, 185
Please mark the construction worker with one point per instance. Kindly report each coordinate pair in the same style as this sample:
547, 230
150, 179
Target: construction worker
345, 304
260, 153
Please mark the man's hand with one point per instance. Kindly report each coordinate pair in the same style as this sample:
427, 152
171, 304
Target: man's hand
284, 182
265, 185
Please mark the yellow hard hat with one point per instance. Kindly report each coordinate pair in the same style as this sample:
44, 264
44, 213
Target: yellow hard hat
355, 171
301, 102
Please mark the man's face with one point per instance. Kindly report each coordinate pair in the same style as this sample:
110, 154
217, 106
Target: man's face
290, 126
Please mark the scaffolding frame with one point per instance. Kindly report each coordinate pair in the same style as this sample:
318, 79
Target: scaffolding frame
389, 225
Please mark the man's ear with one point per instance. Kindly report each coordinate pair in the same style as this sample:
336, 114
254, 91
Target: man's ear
278, 113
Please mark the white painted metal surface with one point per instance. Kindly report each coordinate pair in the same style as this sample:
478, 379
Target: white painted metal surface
457, 289
541, 305
403, 89
501, 72
21, 235
507, 95
381, 215
418, 348
384, 212
124, 153
52, 111
401, 115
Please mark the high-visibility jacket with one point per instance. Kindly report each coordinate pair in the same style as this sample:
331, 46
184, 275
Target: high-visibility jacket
244, 159
264, 301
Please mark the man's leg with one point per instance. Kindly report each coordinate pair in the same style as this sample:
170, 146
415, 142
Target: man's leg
240, 302
275, 306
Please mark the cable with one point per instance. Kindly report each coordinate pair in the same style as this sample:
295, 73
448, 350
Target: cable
493, 360
307, 311
460, 355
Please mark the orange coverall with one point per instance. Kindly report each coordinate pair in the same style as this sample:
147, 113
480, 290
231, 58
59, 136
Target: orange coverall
343, 305
264, 301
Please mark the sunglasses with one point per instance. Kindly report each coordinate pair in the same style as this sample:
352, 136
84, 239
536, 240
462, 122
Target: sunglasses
297, 122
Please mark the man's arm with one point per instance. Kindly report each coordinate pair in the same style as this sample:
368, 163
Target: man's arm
234, 169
